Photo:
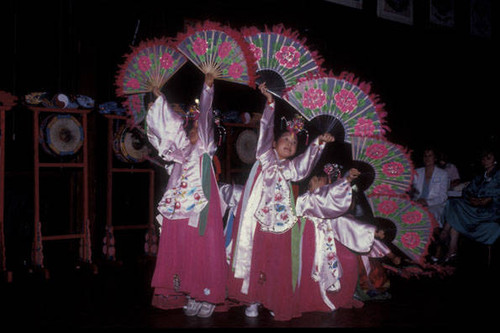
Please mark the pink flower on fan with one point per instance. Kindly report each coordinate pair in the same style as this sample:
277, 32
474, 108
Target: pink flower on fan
314, 98
135, 102
235, 70
200, 46
144, 63
383, 189
224, 49
387, 207
133, 84
376, 151
288, 57
364, 127
410, 240
345, 100
412, 217
257, 51
166, 61
331, 256
393, 169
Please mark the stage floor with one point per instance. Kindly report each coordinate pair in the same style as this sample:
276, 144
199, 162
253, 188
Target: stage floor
119, 296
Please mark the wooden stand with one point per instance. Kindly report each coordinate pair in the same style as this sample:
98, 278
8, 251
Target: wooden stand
4, 107
85, 253
108, 247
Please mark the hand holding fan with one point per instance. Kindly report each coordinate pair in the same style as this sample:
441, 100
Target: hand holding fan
414, 224
388, 167
281, 57
219, 50
342, 100
148, 66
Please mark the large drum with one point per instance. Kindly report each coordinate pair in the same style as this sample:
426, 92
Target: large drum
246, 145
129, 145
61, 135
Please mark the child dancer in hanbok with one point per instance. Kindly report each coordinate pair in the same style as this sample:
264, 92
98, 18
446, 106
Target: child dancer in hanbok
265, 228
331, 241
190, 270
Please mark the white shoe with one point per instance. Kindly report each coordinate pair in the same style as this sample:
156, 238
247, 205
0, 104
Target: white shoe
252, 310
192, 308
206, 310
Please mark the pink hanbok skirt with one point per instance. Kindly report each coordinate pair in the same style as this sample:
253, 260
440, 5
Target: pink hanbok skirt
191, 265
308, 298
270, 276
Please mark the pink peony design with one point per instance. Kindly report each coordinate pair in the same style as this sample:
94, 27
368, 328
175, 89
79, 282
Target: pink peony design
166, 61
364, 127
288, 57
331, 256
144, 63
314, 98
412, 217
224, 49
345, 100
278, 197
393, 169
410, 240
133, 84
235, 70
383, 189
376, 151
257, 51
135, 102
200, 46
387, 207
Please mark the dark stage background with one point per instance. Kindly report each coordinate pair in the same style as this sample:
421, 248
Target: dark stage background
438, 84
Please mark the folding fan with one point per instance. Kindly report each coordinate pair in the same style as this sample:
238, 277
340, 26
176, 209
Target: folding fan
148, 66
281, 57
414, 224
219, 50
388, 167
136, 108
342, 100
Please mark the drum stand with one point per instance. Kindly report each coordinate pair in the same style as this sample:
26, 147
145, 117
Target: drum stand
4, 106
85, 252
151, 238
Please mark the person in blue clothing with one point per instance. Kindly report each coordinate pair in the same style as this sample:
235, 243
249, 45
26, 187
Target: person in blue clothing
476, 214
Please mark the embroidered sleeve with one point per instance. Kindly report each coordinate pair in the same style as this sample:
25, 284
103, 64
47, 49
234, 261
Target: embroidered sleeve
302, 165
165, 131
266, 132
326, 202
206, 121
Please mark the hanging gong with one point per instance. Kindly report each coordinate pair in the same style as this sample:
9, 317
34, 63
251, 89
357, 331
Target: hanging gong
130, 145
246, 144
61, 135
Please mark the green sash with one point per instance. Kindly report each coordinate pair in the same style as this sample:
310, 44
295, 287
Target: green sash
297, 231
206, 182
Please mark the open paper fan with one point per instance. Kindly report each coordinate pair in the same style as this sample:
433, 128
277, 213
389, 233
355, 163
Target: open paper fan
414, 224
281, 57
148, 66
343, 100
390, 163
136, 108
219, 50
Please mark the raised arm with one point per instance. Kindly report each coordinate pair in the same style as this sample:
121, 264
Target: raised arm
206, 121
326, 202
266, 132
165, 130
